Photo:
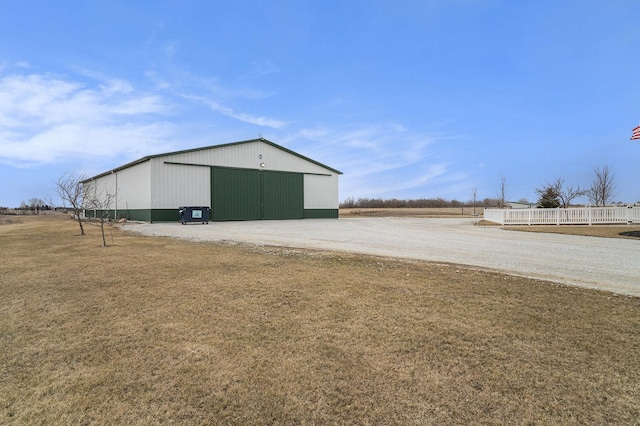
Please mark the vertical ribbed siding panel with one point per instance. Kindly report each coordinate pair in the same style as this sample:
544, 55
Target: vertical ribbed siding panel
128, 188
176, 185
321, 192
134, 187
244, 194
282, 195
99, 188
235, 194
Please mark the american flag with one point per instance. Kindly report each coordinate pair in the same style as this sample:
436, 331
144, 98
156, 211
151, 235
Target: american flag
636, 134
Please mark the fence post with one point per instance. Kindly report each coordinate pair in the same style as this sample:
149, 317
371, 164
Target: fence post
589, 214
557, 215
629, 214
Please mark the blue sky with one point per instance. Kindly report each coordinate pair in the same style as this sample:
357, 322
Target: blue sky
409, 99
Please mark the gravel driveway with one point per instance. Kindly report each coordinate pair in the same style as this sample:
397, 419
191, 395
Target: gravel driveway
604, 263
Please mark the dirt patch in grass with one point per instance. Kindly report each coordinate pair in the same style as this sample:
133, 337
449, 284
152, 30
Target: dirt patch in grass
5, 219
154, 330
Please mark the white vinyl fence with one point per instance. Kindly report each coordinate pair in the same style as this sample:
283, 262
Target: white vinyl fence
560, 216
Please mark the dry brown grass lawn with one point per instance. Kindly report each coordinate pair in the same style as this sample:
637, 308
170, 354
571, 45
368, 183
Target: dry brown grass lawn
154, 330
607, 231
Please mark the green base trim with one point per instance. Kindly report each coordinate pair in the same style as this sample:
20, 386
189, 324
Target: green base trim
172, 215
142, 215
321, 214
165, 215
104, 214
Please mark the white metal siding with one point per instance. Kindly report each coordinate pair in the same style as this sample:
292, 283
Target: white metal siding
321, 192
134, 187
99, 188
129, 188
247, 156
176, 185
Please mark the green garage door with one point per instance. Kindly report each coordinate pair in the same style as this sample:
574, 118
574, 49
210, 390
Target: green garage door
235, 194
282, 195
245, 194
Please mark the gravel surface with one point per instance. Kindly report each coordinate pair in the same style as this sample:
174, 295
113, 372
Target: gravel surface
610, 264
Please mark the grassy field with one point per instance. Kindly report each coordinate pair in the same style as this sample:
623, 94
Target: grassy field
153, 331
413, 212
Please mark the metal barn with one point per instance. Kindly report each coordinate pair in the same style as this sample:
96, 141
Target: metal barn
248, 180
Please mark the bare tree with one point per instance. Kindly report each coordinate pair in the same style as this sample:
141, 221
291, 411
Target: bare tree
563, 192
502, 194
474, 197
603, 187
36, 205
99, 200
70, 190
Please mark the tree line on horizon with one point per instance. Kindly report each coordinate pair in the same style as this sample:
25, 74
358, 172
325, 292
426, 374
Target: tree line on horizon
554, 194
380, 203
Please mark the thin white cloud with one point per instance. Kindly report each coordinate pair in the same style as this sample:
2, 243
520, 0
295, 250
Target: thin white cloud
47, 119
211, 91
380, 160
246, 118
259, 69
369, 150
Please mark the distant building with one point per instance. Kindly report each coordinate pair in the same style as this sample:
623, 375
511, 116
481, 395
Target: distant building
248, 180
521, 205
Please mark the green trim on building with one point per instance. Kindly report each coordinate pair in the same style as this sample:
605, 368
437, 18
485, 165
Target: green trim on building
99, 213
142, 215
172, 215
165, 215
321, 213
